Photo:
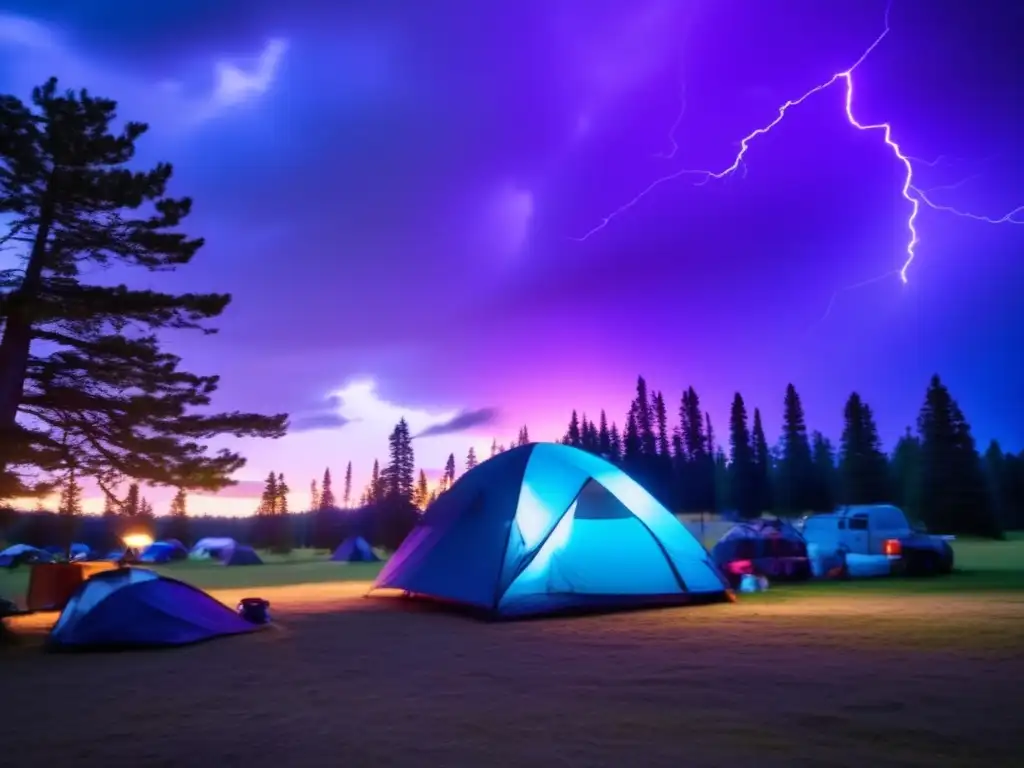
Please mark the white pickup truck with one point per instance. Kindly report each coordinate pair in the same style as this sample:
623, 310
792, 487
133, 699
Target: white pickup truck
880, 530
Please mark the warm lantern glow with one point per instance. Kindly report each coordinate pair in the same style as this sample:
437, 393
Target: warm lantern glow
137, 540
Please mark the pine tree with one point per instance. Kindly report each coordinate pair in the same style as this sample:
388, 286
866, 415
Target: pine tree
696, 467
314, 496
177, 524
616, 443
741, 467
632, 445
132, 502
146, 509
905, 475
795, 471
863, 467
72, 201
376, 491
722, 481
604, 437
69, 508
281, 506
644, 418
347, 496
269, 497
327, 500
825, 474
70, 496
661, 425
471, 458
421, 496
494, 447
524, 436
573, 435
1005, 474
953, 493
179, 504
109, 506
762, 464
449, 471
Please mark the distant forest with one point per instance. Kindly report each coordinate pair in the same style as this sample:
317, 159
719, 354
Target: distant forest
935, 473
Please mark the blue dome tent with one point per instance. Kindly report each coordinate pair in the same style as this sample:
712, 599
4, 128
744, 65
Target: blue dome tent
545, 528
163, 552
241, 555
134, 607
354, 549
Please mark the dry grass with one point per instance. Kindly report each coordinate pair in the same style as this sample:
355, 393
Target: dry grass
826, 680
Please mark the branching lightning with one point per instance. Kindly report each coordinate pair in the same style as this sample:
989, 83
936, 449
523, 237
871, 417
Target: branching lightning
914, 196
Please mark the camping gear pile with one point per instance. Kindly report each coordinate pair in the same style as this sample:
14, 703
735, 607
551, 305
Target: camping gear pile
770, 548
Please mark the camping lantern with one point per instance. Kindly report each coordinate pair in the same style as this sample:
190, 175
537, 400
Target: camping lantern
255, 610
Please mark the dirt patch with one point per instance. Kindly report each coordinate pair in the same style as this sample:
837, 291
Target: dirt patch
337, 679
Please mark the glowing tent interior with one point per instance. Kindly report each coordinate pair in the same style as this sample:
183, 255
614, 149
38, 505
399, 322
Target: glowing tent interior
546, 528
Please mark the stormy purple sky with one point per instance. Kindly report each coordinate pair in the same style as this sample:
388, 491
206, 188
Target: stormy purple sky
391, 191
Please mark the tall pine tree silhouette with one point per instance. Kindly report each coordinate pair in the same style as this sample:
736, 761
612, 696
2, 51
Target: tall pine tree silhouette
954, 495
795, 474
72, 192
327, 500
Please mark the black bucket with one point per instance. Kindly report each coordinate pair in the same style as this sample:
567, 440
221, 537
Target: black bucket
255, 610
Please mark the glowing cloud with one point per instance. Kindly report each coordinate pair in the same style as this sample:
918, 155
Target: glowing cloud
41, 51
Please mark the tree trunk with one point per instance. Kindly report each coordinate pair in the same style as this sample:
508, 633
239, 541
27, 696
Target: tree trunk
17, 341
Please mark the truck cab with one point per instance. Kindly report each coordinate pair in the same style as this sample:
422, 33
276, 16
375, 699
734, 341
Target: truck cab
861, 529
880, 530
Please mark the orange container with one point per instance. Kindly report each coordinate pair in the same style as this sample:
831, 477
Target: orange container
51, 585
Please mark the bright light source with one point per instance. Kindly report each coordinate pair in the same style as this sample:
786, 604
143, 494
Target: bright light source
137, 540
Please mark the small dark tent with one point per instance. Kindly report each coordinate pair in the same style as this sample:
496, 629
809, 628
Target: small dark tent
134, 607
163, 551
17, 554
241, 555
771, 548
354, 549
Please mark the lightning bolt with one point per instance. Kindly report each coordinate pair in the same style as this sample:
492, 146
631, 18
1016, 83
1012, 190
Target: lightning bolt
913, 196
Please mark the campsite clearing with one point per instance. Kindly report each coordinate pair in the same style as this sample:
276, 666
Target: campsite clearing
845, 673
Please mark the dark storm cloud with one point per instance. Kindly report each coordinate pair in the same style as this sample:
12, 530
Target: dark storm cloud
466, 420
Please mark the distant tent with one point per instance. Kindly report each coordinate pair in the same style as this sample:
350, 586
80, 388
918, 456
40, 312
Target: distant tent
16, 554
163, 552
771, 548
155, 554
180, 550
354, 549
133, 607
211, 548
79, 551
544, 528
241, 555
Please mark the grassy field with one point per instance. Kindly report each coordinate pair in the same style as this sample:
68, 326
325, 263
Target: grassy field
303, 566
882, 672
981, 566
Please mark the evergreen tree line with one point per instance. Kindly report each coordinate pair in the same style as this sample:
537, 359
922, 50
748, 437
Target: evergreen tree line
935, 472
